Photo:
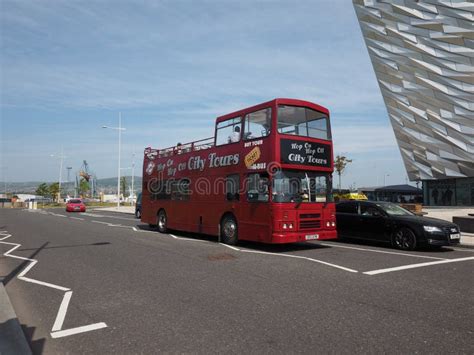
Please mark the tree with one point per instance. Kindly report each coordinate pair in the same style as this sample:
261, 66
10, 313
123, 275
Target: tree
340, 164
42, 190
83, 187
123, 184
54, 190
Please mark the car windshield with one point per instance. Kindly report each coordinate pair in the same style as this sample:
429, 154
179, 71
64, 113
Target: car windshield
301, 186
394, 210
75, 201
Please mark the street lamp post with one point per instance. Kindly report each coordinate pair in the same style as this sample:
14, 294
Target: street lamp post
61, 159
133, 177
119, 129
384, 176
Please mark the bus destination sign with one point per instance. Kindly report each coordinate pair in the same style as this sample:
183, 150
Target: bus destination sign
305, 153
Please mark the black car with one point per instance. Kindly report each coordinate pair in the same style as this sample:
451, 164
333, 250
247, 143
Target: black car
388, 222
138, 206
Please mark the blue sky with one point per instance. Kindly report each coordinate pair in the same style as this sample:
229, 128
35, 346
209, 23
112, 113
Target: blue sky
68, 67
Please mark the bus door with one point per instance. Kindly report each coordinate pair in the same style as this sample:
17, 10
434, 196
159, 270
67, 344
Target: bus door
255, 218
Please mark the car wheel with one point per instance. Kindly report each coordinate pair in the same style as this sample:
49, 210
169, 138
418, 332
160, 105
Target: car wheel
138, 214
229, 230
404, 239
162, 221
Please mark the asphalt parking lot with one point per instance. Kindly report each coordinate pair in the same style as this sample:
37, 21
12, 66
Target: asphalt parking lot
104, 282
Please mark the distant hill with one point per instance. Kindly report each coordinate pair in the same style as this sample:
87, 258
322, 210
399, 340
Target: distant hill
106, 185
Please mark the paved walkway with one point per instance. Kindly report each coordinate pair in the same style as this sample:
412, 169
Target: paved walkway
447, 213
121, 209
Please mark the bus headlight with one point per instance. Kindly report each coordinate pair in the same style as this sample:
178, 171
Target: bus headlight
287, 225
333, 223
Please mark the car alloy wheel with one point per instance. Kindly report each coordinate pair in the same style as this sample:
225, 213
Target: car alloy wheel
404, 239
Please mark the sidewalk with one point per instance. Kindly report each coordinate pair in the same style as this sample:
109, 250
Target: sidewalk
121, 209
12, 338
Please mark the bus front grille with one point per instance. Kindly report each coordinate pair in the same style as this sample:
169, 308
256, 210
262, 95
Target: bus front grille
314, 224
310, 215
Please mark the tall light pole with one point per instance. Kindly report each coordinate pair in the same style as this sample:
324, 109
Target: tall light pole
133, 177
384, 176
61, 159
119, 129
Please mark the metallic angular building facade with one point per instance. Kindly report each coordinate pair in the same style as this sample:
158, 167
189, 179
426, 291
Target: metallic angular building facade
423, 56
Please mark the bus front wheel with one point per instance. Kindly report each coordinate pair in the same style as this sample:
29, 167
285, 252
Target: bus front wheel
162, 222
229, 230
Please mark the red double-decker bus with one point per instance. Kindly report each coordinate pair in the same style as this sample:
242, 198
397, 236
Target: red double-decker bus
265, 176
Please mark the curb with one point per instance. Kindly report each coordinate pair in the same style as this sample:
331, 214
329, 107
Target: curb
12, 339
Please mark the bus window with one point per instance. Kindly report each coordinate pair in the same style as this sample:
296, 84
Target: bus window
232, 183
180, 190
300, 186
257, 188
258, 124
301, 121
229, 131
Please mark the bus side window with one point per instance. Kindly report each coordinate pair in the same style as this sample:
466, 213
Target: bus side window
258, 124
232, 183
229, 131
257, 188
180, 190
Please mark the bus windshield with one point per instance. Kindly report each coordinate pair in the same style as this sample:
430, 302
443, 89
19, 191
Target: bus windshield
301, 186
302, 121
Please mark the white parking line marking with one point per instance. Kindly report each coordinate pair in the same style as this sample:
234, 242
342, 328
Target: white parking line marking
413, 266
58, 323
464, 249
72, 331
188, 239
57, 214
26, 269
299, 257
77, 218
382, 251
112, 225
107, 216
229, 246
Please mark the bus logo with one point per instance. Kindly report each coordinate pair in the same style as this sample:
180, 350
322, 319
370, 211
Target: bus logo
252, 157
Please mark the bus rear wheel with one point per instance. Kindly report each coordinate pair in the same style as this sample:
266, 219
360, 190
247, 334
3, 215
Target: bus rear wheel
229, 230
162, 222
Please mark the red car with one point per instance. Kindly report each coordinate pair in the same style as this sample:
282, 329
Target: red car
75, 205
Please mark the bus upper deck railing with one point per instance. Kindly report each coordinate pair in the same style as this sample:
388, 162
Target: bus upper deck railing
201, 144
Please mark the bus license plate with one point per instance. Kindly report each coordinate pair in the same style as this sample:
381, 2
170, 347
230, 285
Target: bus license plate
455, 236
312, 236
